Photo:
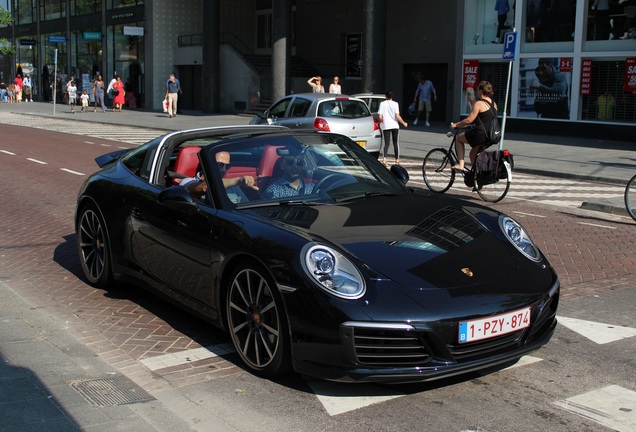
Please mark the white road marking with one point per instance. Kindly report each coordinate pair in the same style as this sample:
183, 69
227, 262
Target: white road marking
596, 225
525, 361
612, 406
529, 214
37, 161
72, 172
597, 332
338, 398
8, 152
183, 357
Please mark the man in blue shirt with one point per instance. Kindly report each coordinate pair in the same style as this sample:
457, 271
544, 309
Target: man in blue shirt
426, 92
173, 89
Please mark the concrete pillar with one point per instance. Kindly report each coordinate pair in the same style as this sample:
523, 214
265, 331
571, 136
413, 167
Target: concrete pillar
374, 53
211, 69
281, 48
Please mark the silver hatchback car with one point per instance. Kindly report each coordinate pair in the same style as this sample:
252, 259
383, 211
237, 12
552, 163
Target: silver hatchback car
326, 112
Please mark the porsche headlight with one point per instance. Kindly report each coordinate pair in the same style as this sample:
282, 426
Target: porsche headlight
332, 271
518, 237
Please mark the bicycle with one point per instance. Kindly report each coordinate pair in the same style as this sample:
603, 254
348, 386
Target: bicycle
630, 197
439, 175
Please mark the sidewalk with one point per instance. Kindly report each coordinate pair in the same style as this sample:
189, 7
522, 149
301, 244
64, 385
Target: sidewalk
47, 379
575, 158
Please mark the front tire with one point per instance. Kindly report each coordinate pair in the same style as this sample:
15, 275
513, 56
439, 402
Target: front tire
256, 321
93, 247
630, 197
437, 171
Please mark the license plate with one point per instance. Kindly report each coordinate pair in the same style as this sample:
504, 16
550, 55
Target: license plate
485, 328
362, 143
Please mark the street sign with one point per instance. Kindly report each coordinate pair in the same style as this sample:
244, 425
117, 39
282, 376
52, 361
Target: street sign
510, 45
28, 41
57, 39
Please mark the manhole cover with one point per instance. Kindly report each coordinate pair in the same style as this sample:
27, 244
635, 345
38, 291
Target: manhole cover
111, 391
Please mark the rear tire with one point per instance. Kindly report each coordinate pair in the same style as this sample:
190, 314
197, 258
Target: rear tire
630, 197
93, 247
437, 171
493, 192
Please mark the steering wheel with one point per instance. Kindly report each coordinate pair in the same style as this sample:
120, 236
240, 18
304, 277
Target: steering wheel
330, 176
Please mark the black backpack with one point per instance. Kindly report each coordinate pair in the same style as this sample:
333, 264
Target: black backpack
494, 134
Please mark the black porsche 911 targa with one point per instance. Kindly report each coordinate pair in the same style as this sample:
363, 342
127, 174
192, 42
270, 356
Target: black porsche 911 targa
316, 258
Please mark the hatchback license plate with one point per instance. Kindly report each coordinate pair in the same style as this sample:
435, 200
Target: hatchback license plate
362, 143
485, 328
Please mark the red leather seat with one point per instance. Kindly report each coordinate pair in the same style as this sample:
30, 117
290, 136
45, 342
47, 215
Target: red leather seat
187, 162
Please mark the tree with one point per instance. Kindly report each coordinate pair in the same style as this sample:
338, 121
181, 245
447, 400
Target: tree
5, 19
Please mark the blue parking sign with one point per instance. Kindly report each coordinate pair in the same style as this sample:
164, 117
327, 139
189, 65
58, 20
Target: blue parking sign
511, 42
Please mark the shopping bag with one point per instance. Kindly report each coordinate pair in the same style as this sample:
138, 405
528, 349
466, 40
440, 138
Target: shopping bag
165, 105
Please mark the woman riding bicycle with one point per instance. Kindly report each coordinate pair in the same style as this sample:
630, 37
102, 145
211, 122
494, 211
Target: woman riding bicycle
479, 118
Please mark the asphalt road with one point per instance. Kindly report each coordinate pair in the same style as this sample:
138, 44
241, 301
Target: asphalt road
580, 381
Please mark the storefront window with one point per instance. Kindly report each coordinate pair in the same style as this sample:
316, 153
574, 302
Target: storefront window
86, 56
24, 11
85, 7
610, 20
48, 69
26, 58
549, 21
496, 73
607, 98
487, 21
126, 48
52, 9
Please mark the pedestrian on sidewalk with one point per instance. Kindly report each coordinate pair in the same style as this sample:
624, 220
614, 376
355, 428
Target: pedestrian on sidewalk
98, 93
173, 90
118, 94
316, 84
425, 93
26, 88
84, 98
71, 90
390, 119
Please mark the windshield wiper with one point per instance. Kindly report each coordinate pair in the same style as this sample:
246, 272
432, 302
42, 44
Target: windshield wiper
257, 204
365, 195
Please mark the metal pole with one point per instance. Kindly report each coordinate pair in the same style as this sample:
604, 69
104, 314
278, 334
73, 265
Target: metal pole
54, 81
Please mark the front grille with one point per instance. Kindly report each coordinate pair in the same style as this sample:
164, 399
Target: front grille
388, 347
485, 348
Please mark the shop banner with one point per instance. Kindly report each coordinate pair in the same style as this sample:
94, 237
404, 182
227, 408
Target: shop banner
630, 75
471, 73
545, 87
586, 77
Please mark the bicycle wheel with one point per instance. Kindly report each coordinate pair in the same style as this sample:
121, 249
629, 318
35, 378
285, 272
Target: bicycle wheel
437, 171
494, 192
630, 197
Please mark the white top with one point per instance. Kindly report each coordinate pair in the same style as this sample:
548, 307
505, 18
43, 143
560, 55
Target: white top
389, 110
335, 89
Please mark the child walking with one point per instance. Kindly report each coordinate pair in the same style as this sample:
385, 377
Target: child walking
72, 95
84, 98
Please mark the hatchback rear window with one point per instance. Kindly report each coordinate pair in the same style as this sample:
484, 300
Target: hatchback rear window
343, 108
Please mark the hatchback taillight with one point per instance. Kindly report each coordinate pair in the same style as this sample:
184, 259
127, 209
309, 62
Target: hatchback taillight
321, 124
376, 124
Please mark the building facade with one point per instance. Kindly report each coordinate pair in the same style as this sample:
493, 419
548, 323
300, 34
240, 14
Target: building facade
221, 50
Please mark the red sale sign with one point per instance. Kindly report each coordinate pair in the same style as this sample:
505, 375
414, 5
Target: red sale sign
630, 75
586, 77
471, 73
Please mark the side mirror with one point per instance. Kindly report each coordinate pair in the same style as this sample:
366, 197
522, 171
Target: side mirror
178, 197
401, 173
